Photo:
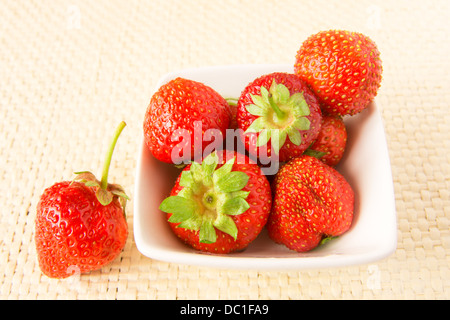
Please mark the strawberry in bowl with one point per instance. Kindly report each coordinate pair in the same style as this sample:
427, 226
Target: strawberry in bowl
279, 115
331, 142
312, 201
342, 68
179, 115
219, 205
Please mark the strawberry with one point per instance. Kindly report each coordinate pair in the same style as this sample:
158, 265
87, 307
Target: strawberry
278, 113
342, 68
80, 225
220, 205
330, 145
311, 201
178, 116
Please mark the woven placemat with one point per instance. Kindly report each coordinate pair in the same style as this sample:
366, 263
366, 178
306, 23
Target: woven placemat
72, 70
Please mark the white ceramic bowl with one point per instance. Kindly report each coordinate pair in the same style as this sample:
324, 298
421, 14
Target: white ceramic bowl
373, 235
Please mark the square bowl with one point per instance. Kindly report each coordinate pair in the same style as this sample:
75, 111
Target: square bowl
366, 166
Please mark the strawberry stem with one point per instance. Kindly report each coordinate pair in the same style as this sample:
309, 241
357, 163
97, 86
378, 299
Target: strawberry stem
278, 111
104, 181
232, 101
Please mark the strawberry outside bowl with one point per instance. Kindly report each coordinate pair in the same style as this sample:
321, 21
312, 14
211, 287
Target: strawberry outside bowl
365, 165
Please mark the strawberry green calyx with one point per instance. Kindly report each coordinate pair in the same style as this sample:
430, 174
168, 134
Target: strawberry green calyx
232, 101
209, 198
314, 153
105, 191
279, 115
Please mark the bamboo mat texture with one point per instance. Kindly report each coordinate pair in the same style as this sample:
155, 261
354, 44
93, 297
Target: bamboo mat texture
71, 70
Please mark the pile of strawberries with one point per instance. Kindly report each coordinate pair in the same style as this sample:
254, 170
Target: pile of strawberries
225, 194
224, 197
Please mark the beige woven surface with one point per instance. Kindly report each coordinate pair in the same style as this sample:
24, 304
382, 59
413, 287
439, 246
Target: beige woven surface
71, 70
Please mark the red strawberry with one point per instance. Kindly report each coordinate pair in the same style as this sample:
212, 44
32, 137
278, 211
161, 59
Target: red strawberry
342, 68
330, 145
311, 201
221, 205
279, 114
81, 226
178, 116
290, 228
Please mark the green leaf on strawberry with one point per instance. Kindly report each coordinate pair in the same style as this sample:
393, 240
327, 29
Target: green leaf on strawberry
209, 197
279, 115
314, 153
